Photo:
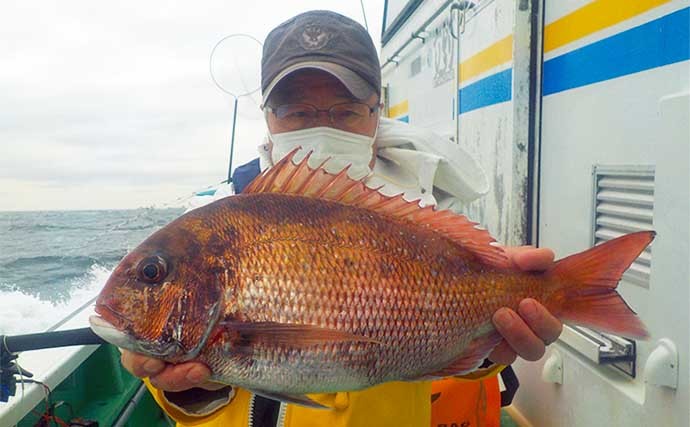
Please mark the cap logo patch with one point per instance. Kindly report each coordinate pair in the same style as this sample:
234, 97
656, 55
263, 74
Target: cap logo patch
314, 37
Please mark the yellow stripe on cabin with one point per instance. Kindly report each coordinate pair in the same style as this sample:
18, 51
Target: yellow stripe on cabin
493, 56
589, 19
398, 109
595, 16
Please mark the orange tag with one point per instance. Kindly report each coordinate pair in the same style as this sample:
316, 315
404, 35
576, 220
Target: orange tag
458, 403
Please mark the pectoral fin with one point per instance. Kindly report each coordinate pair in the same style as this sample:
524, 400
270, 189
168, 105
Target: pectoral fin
248, 333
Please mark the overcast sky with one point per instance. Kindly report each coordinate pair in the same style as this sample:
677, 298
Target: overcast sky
111, 105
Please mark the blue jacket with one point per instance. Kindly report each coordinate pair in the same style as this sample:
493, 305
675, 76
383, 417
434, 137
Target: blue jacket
245, 174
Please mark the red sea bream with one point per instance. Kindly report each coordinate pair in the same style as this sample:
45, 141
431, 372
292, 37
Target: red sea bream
311, 282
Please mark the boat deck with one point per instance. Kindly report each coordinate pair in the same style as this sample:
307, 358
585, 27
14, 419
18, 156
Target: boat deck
99, 390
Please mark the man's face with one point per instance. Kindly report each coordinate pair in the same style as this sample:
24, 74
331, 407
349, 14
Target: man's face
321, 90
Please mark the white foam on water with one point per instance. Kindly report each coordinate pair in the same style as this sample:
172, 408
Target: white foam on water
24, 314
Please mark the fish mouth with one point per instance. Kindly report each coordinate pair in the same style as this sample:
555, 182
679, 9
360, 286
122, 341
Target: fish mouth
115, 336
111, 316
104, 329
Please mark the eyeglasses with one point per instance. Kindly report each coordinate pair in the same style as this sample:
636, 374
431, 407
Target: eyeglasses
345, 116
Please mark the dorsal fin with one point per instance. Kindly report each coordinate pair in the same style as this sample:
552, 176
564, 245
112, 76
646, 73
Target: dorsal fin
300, 179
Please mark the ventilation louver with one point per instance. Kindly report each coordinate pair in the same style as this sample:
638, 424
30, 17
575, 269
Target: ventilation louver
624, 201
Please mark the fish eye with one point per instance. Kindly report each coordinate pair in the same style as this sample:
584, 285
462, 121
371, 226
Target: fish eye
153, 269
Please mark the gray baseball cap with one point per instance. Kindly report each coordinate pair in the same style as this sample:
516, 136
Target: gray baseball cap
326, 41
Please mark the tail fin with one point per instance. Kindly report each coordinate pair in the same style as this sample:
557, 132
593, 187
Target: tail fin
588, 281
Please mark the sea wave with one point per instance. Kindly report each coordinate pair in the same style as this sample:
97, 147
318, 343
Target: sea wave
138, 227
48, 227
51, 277
71, 261
21, 313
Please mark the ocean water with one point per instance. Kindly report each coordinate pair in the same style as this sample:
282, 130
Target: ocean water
53, 262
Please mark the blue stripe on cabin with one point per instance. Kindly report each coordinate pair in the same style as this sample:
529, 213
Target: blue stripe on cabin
660, 42
490, 90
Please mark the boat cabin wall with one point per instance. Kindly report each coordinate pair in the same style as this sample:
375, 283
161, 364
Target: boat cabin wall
579, 113
469, 101
614, 158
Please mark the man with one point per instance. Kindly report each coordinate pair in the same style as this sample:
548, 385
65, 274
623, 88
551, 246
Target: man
321, 86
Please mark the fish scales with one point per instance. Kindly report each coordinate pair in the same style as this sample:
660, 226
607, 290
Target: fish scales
373, 276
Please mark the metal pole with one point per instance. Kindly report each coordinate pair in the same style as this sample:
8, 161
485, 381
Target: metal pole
457, 79
462, 8
232, 141
130, 406
18, 343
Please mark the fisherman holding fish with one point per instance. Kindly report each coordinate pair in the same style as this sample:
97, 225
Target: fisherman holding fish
321, 86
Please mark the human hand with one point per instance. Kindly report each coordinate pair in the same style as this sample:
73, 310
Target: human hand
166, 376
528, 333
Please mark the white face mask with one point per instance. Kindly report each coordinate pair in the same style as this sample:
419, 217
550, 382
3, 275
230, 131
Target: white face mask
343, 148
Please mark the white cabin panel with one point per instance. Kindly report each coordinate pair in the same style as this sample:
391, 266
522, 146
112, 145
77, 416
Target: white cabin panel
616, 97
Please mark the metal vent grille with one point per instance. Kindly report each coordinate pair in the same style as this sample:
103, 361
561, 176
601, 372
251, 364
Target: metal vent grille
624, 200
